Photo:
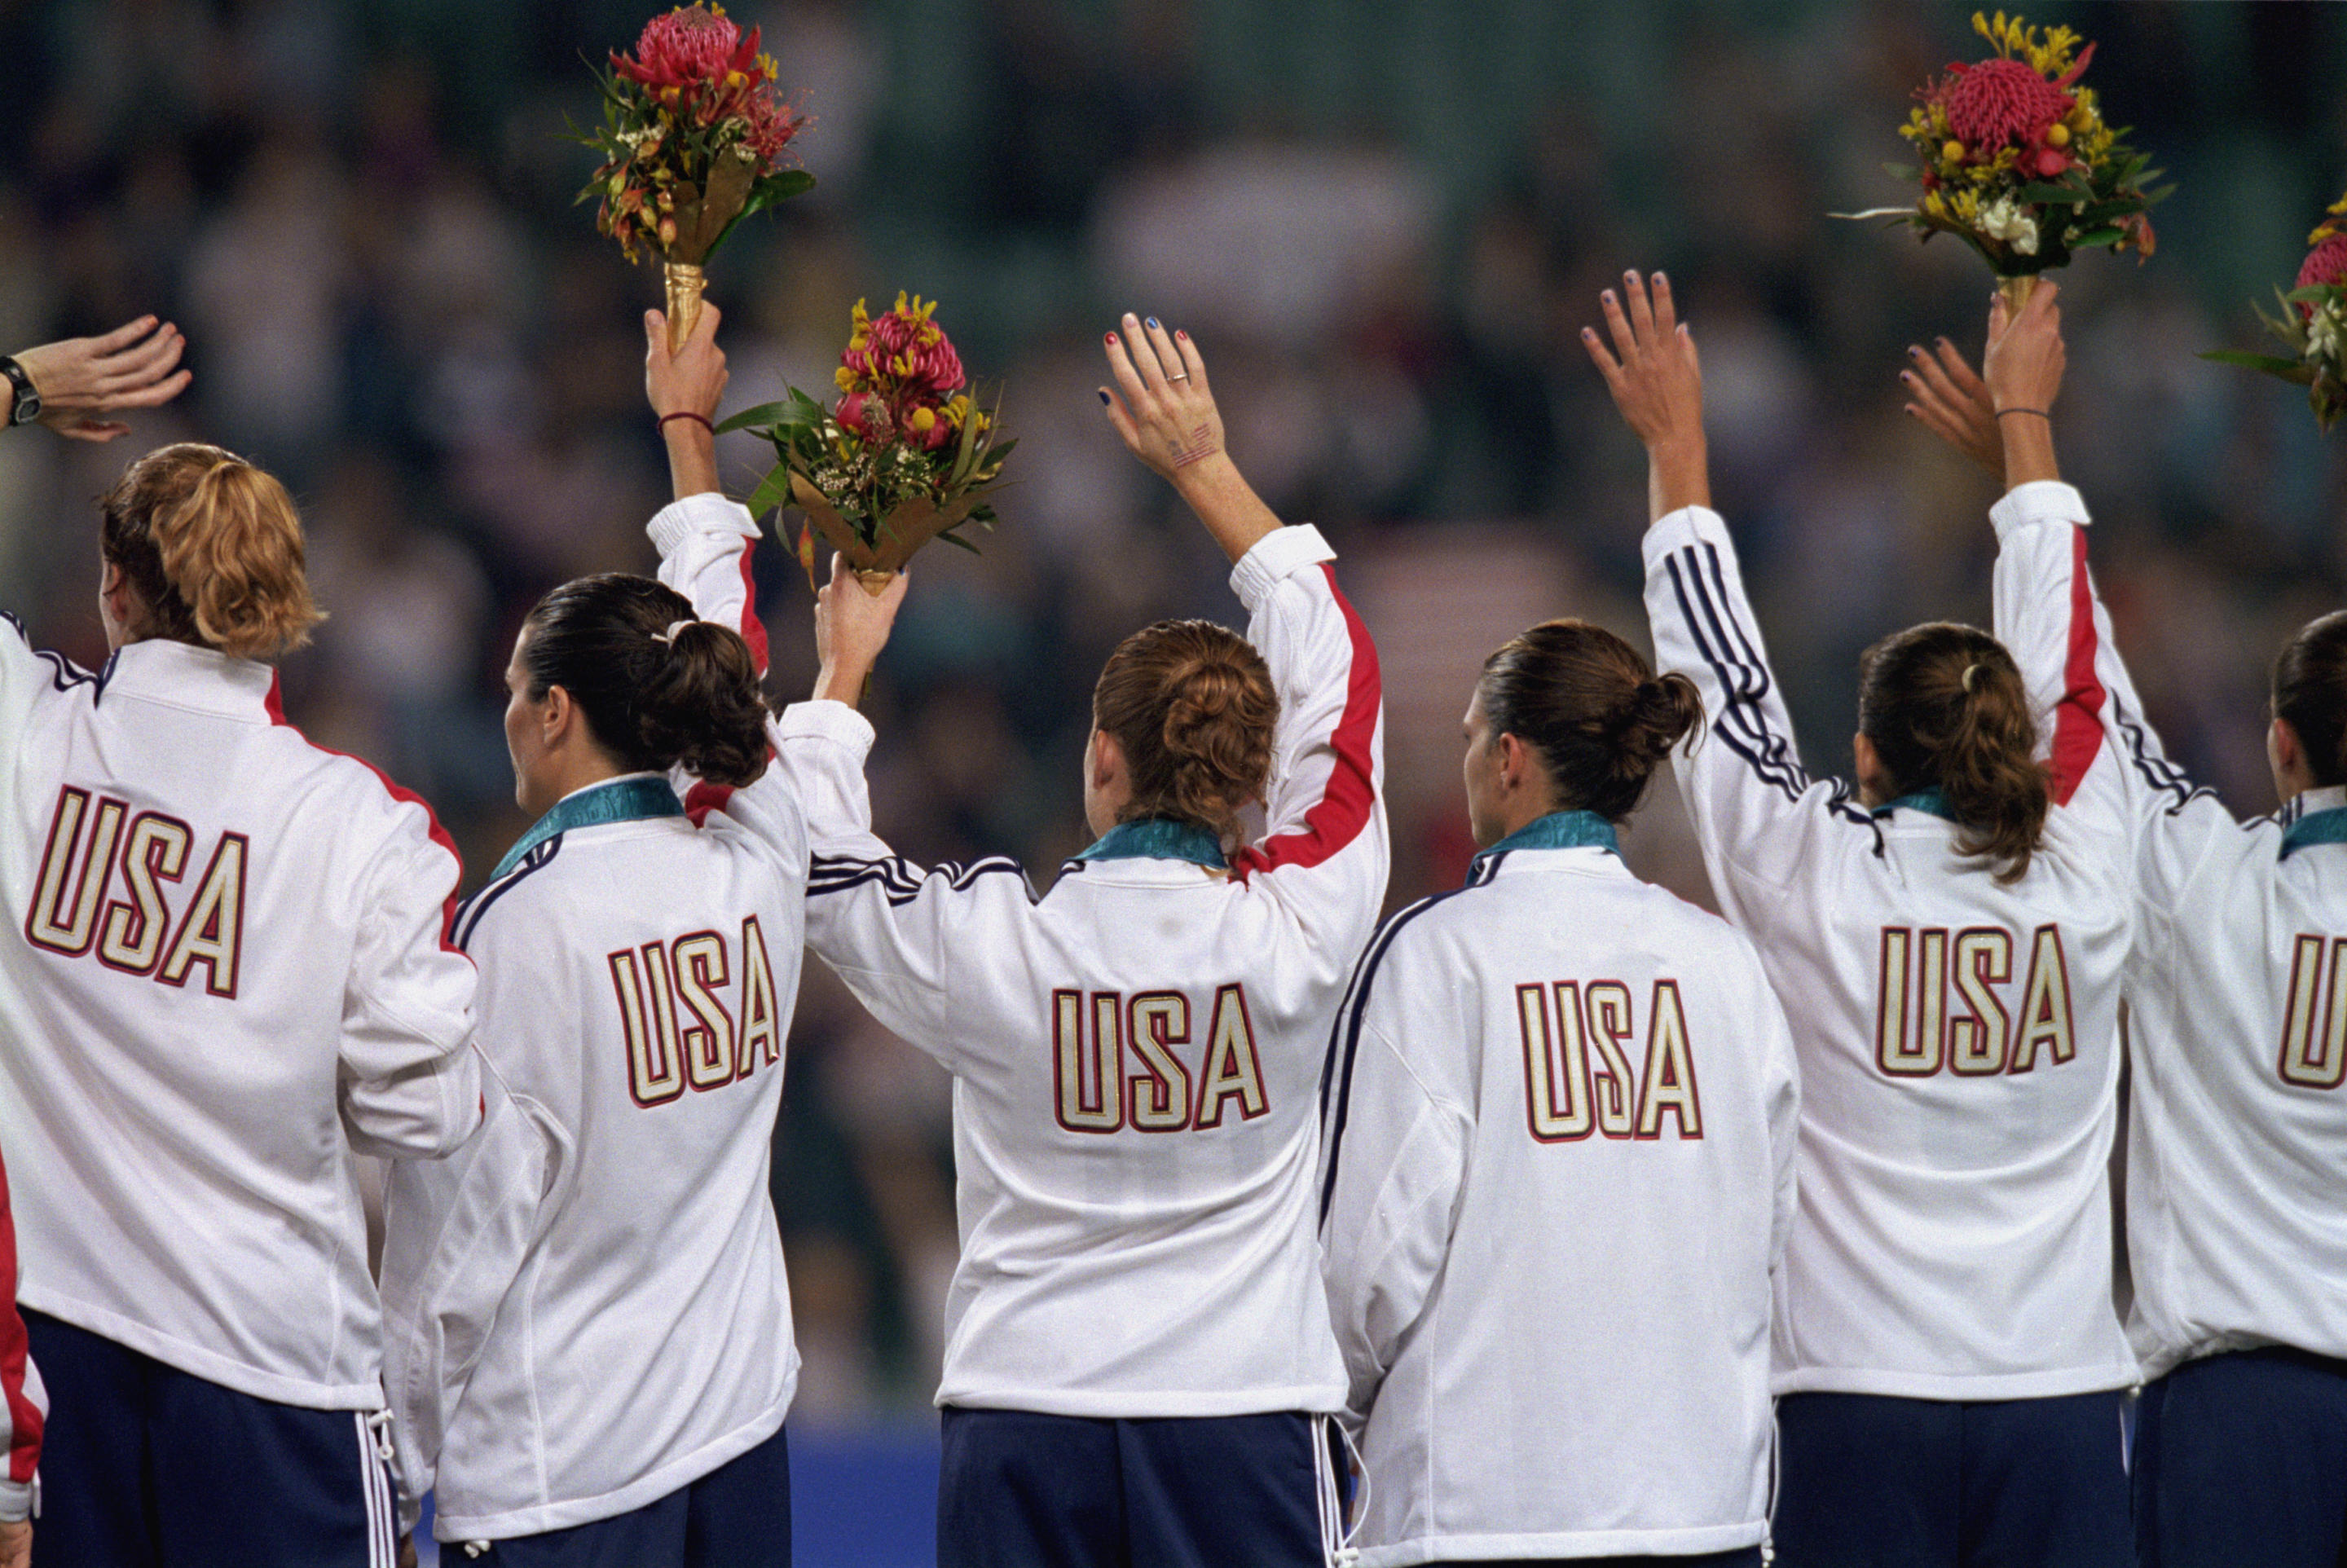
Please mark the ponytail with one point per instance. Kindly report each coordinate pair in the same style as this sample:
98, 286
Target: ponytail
1944, 708
2310, 694
658, 688
1599, 718
212, 548
1190, 705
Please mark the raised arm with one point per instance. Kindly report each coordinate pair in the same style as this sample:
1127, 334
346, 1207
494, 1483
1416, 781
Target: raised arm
1759, 816
2103, 759
1324, 853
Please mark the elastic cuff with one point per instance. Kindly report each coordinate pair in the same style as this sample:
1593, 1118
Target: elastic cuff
2039, 501
1278, 554
1676, 530
825, 721
706, 513
15, 1502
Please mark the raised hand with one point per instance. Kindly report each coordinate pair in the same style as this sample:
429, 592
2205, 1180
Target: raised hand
1656, 381
1166, 414
82, 377
1161, 407
684, 388
851, 627
1952, 403
2021, 369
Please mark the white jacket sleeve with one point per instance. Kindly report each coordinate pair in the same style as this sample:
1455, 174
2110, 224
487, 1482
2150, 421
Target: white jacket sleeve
2105, 758
1781, 1089
890, 929
705, 544
408, 1087
1324, 855
1760, 819
455, 1232
1391, 1203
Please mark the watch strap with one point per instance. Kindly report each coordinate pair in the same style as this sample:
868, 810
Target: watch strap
27, 405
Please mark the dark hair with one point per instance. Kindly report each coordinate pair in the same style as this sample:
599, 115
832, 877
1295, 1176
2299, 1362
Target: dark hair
211, 546
2309, 690
1945, 708
653, 699
1592, 708
1192, 706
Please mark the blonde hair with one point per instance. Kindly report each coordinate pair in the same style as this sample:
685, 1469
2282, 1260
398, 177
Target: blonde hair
212, 548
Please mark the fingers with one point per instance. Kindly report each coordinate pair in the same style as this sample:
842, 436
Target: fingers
122, 337
1626, 341
1169, 359
1642, 315
153, 397
656, 332
704, 330
1120, 421
1128, 378
1144, 353
1931, 377
1952, 363
1666, 320
148, 362
1607, 366
1191, 361
89, 430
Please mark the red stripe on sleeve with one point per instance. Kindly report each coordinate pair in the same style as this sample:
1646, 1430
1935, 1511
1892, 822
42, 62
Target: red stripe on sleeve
1344, 807
438, 833
754, 630
704, 797
16, 1354
2079, 716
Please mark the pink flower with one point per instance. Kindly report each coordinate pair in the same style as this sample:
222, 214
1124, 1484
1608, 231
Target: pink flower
2325, 264
2001, 103
689, 46
865, 414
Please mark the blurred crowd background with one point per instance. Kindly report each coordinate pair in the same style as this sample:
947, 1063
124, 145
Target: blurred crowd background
1383, 220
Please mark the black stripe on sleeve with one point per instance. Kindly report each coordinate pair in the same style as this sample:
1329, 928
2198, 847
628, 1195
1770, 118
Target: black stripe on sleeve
469, 913
2163, 777
900, 880
1345, 1038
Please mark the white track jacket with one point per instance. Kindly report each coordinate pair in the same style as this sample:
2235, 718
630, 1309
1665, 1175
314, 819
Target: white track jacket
1958, 1037
593, 1312
1560, 1170
229, 971
2237, 1018
1136, 1054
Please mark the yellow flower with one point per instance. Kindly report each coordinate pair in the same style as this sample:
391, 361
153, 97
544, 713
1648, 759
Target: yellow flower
844, 378
923, 420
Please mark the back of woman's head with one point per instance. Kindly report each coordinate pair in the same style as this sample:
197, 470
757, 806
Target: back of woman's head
1592, 710
1190, 705
212, 548
1944, 708
657, 686
2309, 690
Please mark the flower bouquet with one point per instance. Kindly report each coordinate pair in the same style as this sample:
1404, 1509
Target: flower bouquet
2017, 161
903, 458
2313, 324
691, 136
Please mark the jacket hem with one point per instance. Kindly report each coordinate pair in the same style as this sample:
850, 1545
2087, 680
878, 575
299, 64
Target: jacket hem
210, 1365
1315, 1399
1685, 1543
454, 1526
2048, 1385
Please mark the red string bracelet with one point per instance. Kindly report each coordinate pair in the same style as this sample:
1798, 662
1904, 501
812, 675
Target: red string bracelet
700, 419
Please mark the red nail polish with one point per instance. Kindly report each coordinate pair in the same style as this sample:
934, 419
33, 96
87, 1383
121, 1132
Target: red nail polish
1112, 339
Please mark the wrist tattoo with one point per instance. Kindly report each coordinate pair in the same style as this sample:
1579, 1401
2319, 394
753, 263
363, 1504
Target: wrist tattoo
1201, 445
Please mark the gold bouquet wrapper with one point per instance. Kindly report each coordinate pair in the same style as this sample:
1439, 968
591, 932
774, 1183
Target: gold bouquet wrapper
683, 283
2016, 292
904, 530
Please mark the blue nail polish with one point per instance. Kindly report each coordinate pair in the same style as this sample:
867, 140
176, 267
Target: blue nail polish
1104, 400
1152, 324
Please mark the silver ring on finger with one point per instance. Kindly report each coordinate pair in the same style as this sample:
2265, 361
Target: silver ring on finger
1184, 376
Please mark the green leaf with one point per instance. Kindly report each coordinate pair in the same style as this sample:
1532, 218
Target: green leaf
2313, 294
2288, 369
953, 538
1900, 170
2161, 194
2053, 195
765, 413
765, 193
772, 491
2093, 238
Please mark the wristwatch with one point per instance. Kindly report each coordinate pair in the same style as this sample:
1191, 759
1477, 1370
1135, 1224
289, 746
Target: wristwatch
29, 397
